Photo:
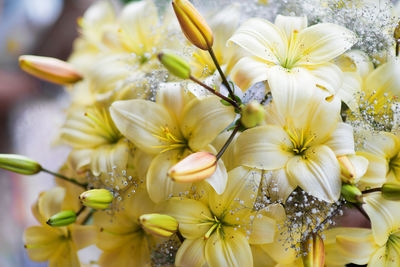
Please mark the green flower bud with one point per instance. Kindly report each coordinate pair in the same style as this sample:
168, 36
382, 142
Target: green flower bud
351, 193
19, 164
98, 199
252, 114
175, 65
159, 224
391, 191
63, 218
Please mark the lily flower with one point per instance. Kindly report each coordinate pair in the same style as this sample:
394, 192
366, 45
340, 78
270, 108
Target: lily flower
57, 245
121, 238
170, 129
220, 228
378, 246
288, 47
300, 144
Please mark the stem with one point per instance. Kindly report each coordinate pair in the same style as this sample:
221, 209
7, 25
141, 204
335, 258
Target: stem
362, 211
221, 73
227, 143
397, 48
230, 101
379, 189
80, 211
179, 235
266, 97
65, 178
87, 217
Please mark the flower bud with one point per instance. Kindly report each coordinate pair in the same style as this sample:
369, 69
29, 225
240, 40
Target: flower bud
159, 224
347, 170
313, 251
19, 164
351, 193
391, 191
195, 167
193, 24
49, 69
175, 65
63, 218
396, 33
98, 199
252, 114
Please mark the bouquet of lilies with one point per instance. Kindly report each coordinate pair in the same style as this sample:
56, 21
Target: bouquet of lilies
236, 143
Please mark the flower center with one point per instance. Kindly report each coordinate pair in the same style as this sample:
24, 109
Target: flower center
216, 225
393, 245
101, 122
171, 141
299, 141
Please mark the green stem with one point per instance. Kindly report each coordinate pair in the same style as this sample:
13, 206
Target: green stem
373, 190
221, 73
227, 143
230, 101
65, 178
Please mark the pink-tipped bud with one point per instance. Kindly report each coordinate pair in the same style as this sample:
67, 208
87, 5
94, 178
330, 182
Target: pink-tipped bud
347, 170
49, 69
195, 167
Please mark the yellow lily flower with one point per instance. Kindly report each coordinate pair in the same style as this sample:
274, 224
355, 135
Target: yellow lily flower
288, 47
97, 145
169, 129
379, 246
121, 238
58, 245
220, 228
300, 145
382, 150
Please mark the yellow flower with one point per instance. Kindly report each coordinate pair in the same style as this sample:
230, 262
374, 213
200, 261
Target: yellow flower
58, 245
121, 238
289, 46
220, 228
97, 144
170, 129
300, 145
379, 246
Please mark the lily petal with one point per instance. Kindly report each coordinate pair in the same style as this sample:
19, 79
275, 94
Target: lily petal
263, 229
264, 147
41, 242
231, 249
318, 173
289, 24
50, 202
342, 140
249, 71
191, 253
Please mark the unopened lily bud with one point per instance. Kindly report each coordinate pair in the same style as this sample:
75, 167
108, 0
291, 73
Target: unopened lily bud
313, 251
63, 218
98, 199
159, 224
193, 24
19, 164
195, 167
252, 114
175, 65
391, 191
49, 69
347, 170
351, 193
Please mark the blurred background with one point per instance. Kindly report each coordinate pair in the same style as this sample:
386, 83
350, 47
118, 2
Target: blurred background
30, 110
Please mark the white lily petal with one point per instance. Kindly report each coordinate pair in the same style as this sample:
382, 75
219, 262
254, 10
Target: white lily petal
264, 147
341, 140
382, 144
219, 178
384, 79
107, 158
280, 181
171, 96
360, 165
380, 259
249, 71
355, 61
289, 24
202, 121
318, 173
375, 176
328, 77
191, 253
384, 216
263, 229
323, 42
350, 91
159, 185
231, 249
262, 39
291, 90
141, 121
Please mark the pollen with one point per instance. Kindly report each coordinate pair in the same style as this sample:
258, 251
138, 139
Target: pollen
171, 141
300, 140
